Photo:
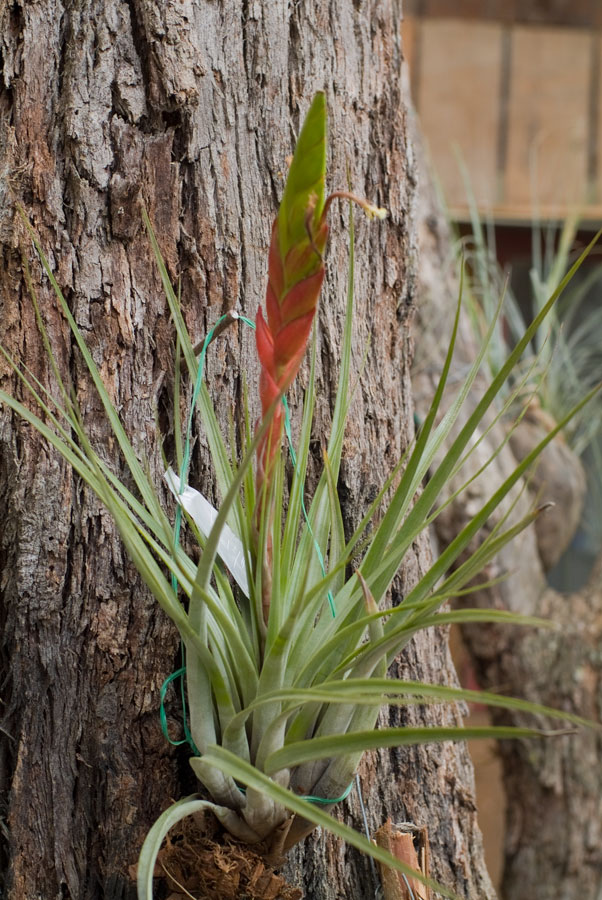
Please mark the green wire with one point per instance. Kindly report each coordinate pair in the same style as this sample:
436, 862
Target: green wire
321, 801
162, 714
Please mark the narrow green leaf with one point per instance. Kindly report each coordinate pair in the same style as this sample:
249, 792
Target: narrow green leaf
361, 741
389, 691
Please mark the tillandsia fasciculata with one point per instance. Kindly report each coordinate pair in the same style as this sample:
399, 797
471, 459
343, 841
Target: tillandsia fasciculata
286, 668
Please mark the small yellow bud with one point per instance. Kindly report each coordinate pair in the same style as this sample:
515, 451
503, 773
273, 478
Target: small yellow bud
375, 212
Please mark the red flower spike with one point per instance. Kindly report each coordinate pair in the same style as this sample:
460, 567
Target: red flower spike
295, 275
282, 341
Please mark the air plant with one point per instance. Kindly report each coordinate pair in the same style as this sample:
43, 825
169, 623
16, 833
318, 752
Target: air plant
286, 667
566, 346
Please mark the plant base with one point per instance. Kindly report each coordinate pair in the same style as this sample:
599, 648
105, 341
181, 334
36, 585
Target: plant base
202, 861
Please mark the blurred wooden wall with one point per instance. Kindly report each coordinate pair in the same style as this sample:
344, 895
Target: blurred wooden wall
510, 92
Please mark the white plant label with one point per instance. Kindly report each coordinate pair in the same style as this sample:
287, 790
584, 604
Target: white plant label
203, 514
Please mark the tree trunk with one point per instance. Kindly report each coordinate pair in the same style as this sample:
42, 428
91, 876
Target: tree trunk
553, 845
190, 108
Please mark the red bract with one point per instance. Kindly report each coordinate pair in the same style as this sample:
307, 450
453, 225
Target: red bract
291, 300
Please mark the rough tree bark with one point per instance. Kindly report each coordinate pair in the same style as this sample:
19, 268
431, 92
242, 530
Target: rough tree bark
190, 107
553, 842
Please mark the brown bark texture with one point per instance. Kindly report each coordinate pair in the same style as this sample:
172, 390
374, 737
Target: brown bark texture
553, 840
190, 107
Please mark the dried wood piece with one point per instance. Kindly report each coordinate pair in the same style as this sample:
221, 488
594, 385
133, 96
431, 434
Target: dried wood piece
408, 843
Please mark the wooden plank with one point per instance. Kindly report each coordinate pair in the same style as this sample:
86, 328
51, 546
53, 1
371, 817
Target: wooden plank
483, 10
410, 37
570, 13
505, 214
458, 104
547, 149
596, 123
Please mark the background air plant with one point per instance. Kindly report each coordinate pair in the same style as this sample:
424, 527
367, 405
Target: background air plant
286, 672
566, 347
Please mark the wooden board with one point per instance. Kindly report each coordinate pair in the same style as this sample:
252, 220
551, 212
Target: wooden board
458, 93
523, 105
547, 144
596, 150
570, 13
410, 36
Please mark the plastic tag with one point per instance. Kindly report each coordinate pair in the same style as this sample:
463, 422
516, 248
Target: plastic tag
203, 514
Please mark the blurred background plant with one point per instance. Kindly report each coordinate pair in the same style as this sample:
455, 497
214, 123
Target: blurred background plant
568, 350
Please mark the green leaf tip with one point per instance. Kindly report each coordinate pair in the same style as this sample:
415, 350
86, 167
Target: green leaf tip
305, 182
